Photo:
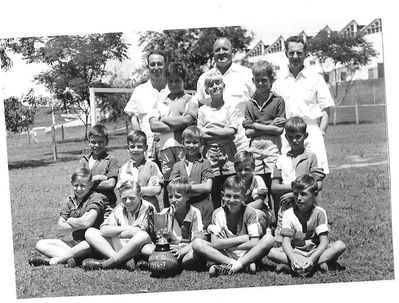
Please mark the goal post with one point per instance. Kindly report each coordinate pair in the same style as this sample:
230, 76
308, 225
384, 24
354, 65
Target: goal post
94, 90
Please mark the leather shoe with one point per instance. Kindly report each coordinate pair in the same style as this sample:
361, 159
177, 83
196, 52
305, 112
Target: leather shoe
39, 260
92, 264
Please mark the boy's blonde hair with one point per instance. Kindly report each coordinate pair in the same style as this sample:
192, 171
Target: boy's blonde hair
295, 124
180, 185
244, 156
192, 132
129, 185
263, 66
99, 130
305, 181
136, 135
235, 183
212, 78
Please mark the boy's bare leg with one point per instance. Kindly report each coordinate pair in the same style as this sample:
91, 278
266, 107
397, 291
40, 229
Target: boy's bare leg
278, 255
333, 251
52, 247
81, 249
255, 253
99, 243
205, 249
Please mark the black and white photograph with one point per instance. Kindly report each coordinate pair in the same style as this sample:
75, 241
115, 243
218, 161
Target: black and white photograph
207, 150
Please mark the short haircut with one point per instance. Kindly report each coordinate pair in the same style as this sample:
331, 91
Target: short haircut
99, 130
82, 172
156, 52
223, 38
244, 156
129, 185
297, 39
180, 185
176, 68
234, 183
305, 182
263, 66
192, 132
295, 124
136, 135
212, 78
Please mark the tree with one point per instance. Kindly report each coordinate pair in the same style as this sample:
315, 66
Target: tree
194, 47
336, 51
18, 116
76, 63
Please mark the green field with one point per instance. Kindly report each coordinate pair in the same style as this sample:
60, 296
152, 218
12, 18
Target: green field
356, 197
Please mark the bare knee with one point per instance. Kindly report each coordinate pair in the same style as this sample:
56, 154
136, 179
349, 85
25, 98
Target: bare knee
199, 245
339, 246
91, 232
40, 245
273, 253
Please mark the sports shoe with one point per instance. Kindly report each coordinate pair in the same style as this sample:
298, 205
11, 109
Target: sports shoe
217, 270
39, 260
142, 265
334, 265
92, 264
267, 263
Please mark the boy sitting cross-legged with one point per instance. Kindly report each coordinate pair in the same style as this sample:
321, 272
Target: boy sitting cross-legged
305, 233
123, 235
83, 210
235, 233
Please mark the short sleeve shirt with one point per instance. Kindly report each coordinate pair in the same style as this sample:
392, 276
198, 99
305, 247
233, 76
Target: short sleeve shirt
289, 167
191, 224
122, 217
167, 107
305, 95
257, 190
105, 165
304, 237
72, 209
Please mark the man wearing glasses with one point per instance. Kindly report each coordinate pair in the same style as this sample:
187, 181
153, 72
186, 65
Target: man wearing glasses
306, 95
145, 95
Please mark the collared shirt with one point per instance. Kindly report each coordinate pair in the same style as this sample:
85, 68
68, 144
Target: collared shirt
105, 165
120, 216
304, 237
238, 90
167, 107
257, 190
201, 171
289, 167
304, 96
142, 103
185, 231
72, 209
274, 107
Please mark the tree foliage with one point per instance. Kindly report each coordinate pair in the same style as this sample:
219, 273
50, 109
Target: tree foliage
76, 63
194, 47
335, 50
18, 117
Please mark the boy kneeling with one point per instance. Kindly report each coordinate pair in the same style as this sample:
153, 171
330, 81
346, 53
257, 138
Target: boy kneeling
235, 233
304, 230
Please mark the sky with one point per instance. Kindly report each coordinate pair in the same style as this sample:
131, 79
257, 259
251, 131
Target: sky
268, 19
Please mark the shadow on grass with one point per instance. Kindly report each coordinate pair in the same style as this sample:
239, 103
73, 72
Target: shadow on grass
37, 163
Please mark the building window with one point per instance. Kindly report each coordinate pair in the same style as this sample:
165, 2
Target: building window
343, 76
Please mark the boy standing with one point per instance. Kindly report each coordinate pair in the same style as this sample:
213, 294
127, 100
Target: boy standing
198, 171
170, 117
83, 210
305, 233
264, 121
141, 170
124, 234
235, 234
102, 165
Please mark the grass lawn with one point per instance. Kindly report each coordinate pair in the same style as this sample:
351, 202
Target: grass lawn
357, 200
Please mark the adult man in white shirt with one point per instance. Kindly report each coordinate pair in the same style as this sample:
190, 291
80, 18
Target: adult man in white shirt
239, 87
145, 95
306, 95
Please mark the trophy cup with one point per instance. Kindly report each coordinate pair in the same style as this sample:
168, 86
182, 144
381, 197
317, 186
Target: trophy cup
162, 262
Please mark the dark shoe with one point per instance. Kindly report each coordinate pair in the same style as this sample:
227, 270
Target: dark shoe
142, 265
335, 266
39, 260
323, 267
71, 263
284, 268
267, 263
130, 265
217, 270
92, 264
